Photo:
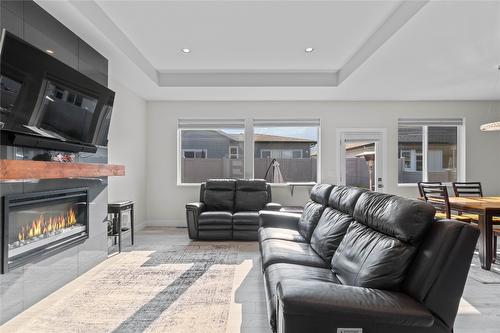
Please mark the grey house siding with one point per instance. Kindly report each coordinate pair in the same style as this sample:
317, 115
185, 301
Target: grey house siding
216, 144
304, 146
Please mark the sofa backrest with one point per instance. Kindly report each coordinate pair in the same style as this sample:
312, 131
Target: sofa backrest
438, 273
218, 194
313, 209
381, 243
251, 195
335, 220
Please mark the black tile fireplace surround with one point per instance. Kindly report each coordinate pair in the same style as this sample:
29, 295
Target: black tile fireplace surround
39, 224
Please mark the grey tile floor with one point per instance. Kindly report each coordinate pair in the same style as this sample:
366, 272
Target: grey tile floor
479, 310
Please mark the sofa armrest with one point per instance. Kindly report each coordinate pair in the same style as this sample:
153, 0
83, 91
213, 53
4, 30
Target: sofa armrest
273, 206
193, 210
323, 307
278, 219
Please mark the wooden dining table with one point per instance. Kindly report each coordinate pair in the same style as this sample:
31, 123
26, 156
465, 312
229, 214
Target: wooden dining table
486, 208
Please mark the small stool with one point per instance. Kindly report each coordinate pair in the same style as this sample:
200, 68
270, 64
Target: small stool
117, 209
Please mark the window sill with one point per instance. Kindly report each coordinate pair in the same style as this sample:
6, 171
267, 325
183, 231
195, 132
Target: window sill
408, 185
188, 184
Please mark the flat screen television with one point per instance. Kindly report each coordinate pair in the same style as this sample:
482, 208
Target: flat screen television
45, 103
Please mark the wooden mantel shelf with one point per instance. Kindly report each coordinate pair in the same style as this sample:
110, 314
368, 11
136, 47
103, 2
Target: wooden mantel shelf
22, 169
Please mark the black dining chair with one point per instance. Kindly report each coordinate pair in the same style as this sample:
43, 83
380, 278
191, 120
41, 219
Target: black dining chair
437, 196
426, 183
471, 189
467, 189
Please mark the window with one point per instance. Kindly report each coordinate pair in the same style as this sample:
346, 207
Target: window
281, 153
210, 149
195, 153
286, 150
233, 152
409, 159
428, 150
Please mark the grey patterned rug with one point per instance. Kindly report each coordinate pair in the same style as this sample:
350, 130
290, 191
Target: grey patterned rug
149, 291
480, 275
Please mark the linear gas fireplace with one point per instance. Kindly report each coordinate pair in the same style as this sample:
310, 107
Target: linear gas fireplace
36, 225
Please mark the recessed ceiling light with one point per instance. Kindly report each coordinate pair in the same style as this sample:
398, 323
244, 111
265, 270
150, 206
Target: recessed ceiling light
49, 51
186, 50
308, 49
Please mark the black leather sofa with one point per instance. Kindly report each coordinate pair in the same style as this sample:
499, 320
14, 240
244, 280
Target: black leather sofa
229, 209
365, 260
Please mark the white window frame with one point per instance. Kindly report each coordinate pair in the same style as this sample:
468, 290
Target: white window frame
461, 150
195, 151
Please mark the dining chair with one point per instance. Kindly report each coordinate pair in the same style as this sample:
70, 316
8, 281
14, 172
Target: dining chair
467, 189
426, 183
437, 196
471, 189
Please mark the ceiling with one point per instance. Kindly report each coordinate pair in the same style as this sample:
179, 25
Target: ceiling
247, 35
254, 50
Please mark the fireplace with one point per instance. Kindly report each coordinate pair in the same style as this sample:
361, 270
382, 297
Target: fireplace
37, 225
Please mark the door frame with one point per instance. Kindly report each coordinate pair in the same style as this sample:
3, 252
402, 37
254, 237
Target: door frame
381, 133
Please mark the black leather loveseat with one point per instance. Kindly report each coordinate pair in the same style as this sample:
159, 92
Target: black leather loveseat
229, 209
364, 260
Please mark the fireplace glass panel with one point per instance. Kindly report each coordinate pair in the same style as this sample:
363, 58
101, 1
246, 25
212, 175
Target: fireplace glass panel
32, 227
41, 223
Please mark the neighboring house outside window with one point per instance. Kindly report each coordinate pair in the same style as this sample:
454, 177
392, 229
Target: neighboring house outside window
429, 152
288, 157
281, 153
206, 151
210, 153
195, 153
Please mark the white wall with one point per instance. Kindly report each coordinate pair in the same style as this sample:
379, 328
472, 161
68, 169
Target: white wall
166, 200
127, 146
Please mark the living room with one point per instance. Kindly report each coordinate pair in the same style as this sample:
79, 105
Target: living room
250, 166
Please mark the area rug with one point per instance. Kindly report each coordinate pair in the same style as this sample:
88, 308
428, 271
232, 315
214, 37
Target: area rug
178, 289
483, 276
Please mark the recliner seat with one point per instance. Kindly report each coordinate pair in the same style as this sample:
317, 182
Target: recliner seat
389, 266
228, 209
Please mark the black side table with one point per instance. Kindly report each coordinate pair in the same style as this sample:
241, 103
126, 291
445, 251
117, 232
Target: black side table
117, 209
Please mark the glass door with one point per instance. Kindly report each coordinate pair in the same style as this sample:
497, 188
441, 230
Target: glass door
361, 159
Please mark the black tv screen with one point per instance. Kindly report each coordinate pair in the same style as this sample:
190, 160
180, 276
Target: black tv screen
42, 97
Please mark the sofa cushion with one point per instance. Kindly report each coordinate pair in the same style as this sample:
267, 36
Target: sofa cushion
344, 198
219, 194
251, 195
278, 272
251, 218
215, 220
371, 259
320, 193
309, 219
380, 245
280, 233
275, 251
335, 220
330, 231
405, 219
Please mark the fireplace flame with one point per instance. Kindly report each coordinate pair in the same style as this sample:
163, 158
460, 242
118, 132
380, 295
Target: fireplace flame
42, 225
